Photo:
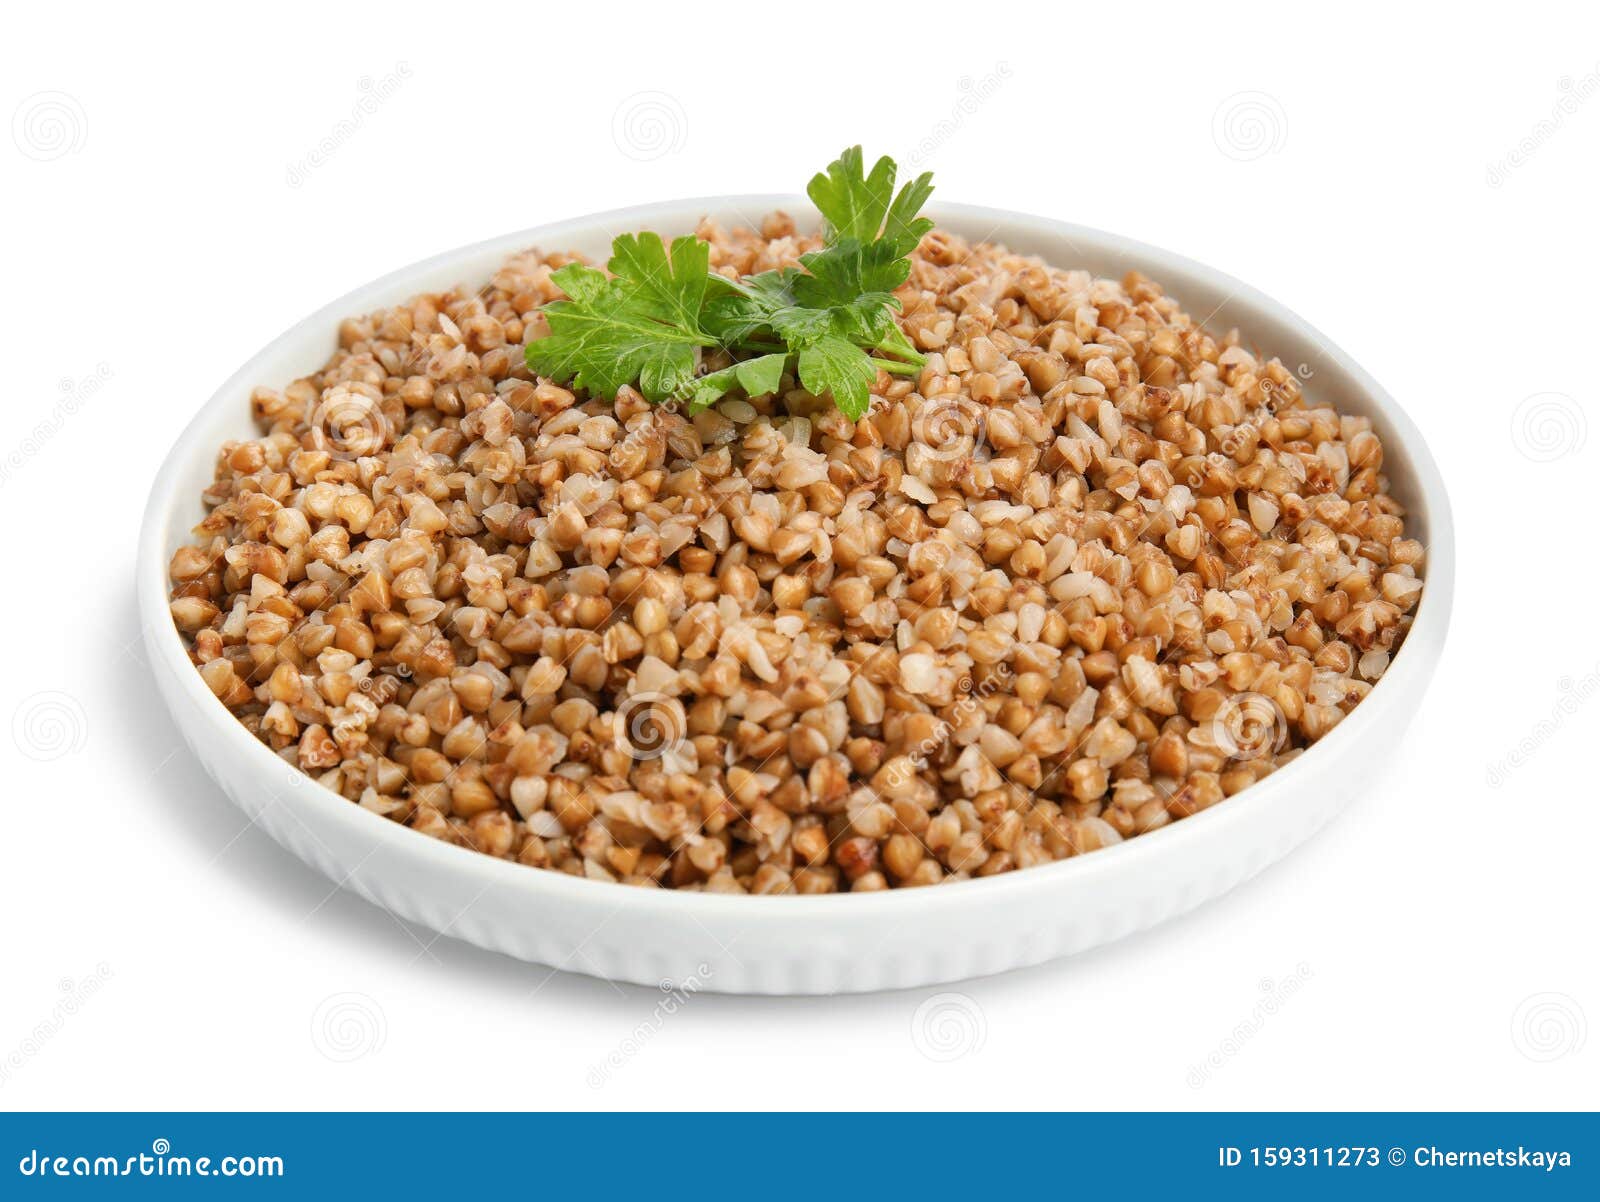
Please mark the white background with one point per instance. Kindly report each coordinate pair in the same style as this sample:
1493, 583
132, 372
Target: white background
1415, 186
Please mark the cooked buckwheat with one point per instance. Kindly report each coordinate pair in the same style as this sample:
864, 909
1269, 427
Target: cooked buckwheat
1094, 571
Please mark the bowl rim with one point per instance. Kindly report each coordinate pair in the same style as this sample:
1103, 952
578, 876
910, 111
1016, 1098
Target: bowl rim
1429, 627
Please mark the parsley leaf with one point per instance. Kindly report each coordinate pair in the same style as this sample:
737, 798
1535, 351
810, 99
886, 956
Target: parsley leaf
738, 316
835, 365
857, 205
642, 324
757, 377
847, 270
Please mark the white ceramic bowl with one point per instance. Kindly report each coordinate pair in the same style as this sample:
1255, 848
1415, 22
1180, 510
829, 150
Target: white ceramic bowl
826, 944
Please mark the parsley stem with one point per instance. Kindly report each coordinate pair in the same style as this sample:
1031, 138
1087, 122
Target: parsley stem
896, 368
895, 346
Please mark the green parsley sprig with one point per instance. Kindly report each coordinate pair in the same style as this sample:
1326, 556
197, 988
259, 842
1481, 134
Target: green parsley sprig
830, 321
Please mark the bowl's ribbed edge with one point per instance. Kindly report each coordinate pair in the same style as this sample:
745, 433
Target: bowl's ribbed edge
776, 971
